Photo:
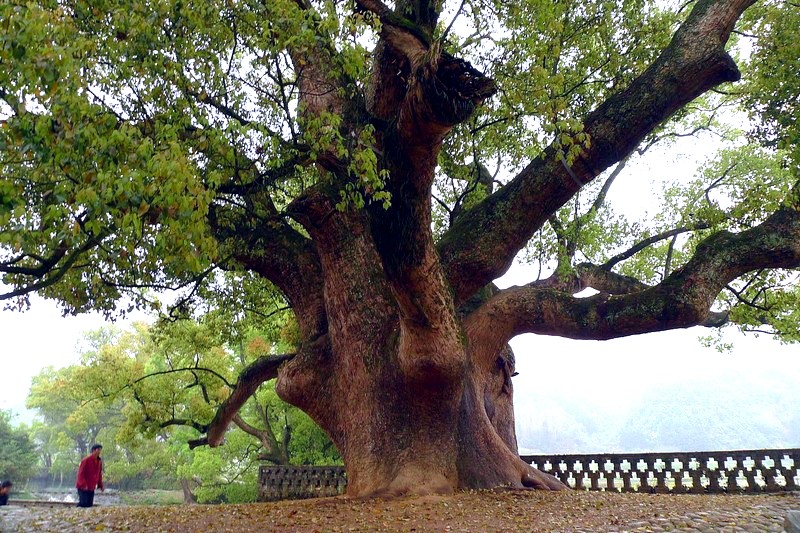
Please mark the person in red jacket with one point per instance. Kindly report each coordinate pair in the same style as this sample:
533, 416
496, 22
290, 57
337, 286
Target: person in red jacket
90, 477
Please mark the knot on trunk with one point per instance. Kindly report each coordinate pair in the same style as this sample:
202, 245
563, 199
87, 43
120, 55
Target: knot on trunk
727, 70
454, 88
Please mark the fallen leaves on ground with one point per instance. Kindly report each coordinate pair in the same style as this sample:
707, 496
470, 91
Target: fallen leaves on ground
484, 511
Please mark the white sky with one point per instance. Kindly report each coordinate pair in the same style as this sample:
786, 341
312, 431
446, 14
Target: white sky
35, 339
613, 373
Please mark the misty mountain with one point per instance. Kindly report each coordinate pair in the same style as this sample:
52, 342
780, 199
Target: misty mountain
731, 409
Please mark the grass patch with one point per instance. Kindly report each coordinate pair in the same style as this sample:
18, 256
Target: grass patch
151, 497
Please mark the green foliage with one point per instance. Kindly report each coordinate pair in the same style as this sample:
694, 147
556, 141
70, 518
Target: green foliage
735, 190
767, 302
166, 97
70, 424
228, 474
772, 92
310, 445
73, 417
550, 78
17, 452
82, 202
177, 104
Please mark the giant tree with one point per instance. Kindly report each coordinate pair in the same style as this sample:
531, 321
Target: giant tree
302, 143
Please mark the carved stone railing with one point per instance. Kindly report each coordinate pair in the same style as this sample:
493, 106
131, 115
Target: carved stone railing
695, 472
691, 472
297, 482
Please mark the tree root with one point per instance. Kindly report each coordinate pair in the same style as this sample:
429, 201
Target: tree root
536, 479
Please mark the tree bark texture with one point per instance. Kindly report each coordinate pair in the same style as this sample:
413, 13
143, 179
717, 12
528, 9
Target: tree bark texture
412, 381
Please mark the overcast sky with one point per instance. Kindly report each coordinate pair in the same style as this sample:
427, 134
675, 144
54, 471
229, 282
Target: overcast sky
35, 339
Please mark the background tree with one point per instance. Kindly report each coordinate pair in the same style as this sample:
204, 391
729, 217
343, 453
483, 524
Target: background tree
163, 386
178, 374
68, 425
17, 452
298, 144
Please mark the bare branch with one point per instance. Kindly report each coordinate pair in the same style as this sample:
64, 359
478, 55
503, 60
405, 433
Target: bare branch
601, 196
171, 371
184, 422
641, 245
51, 277
668, 261
455, 17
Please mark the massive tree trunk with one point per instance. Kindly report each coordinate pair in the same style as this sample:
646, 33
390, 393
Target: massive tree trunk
410, 405
412, 384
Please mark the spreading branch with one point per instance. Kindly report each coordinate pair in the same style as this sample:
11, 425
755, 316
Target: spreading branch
52, 270
693, 63
649, 241
682, 300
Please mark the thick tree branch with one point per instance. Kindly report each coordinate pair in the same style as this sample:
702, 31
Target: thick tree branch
682, 300
279, 253
275, 453
588, 275
319, 79
262, 369
402, 32
603, 280
247, 428
52, 270
483, 243
440, 92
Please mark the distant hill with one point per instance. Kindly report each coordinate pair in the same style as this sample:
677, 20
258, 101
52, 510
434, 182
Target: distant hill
732, 408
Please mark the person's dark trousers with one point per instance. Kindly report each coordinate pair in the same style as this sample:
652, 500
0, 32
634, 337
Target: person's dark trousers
85, 498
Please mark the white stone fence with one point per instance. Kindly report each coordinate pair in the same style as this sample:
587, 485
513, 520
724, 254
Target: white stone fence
745, 471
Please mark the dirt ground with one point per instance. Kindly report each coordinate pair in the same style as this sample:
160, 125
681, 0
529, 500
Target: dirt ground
531, 511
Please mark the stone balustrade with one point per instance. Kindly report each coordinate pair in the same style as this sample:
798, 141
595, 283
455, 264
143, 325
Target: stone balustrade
297, 482
747, 471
